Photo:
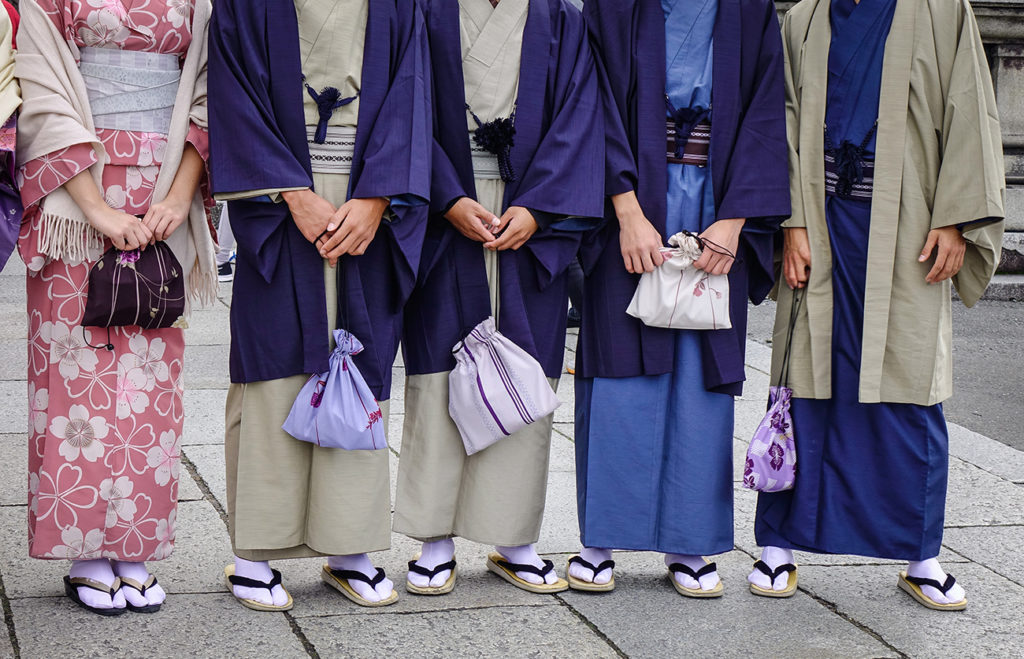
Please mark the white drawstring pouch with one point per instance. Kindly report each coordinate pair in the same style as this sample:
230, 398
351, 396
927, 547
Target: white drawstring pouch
496, 388
677, 295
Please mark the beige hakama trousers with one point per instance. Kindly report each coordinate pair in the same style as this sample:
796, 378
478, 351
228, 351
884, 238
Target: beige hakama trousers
494, 497
292, 499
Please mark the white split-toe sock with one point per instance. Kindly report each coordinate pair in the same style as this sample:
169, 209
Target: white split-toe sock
930, 569
259, 571
140, 573
433, 554
773, 557
98, 570
361, 563
706, 582
594, 556
527, 555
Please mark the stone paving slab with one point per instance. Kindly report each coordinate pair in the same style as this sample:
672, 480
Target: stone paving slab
995, 457
13, 470
996, 547
13, 359
645, 617
198, 626
204, 416
206, 367
483, 632
563, 454
991, 625
209, 461
13, 407
15, 321
976, 497
561, 530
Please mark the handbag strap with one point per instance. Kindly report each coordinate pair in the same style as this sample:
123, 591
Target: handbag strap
794, 311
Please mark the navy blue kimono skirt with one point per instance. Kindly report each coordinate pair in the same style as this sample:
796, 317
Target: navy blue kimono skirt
871, 478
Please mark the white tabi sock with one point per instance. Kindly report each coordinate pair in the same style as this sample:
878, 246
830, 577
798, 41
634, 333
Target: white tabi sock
140, 573
260, 571
773, 557
97, 570
433, 554
527, 555
361, 563
706, 582
930, 569
594, 556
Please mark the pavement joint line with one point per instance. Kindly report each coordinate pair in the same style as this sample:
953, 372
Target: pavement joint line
594, 628
193, 471
307, 645
9, 619
982, 526
365, 612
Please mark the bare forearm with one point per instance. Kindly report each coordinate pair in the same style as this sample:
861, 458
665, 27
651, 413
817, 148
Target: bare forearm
186, 179
86, 194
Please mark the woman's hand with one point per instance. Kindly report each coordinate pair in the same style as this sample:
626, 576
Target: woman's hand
951, 248
639, 241
125, 231
722, 240
472, 220
516, 226
353, 227
164, 218
796, 257
311, 213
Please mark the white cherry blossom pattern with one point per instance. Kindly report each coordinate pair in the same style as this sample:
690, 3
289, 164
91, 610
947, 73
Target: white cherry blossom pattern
128, 447
165, 532
78, 546
67, 294
117, 493
39, 335
63, 495
39, 403
165, 458
132, 534
132, 387
149, 356
80, 433
68, 350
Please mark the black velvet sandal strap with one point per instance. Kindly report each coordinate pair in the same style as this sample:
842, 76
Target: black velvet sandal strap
708, 568
941, 587
349, 575
246, 582
530, 569
774, 574
431, 573
605, 565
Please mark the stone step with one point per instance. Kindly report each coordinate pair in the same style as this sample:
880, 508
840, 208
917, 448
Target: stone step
1006, 288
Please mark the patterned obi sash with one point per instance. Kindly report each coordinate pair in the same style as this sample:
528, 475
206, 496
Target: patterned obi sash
852, 181
130, 89
334, 155
485, 163
695, 151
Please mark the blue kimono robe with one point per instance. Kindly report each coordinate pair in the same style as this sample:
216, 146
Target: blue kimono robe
654, 451
279, 325
871, 478
558, 158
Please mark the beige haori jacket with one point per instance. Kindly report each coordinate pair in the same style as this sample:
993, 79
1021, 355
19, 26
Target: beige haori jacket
938, 163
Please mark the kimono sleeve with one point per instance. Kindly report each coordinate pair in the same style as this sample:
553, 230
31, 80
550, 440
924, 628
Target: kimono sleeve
790, 60
971, 142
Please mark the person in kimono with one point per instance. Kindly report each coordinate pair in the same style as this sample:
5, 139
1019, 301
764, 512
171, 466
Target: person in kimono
321, 138
505, 223
897, 184
108, 161
697, 143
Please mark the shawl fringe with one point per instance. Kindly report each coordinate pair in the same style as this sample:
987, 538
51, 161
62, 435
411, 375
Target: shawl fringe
68, 240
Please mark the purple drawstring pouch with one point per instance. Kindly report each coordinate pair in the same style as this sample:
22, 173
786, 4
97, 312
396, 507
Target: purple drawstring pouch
336, 409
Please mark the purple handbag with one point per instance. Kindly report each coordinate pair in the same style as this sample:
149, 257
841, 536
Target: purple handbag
771, 456
336, 409
136, 287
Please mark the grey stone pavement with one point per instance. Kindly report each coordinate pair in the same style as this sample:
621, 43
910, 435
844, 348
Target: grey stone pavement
847, 606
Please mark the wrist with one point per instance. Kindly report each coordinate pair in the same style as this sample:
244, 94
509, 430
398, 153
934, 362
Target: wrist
294, 196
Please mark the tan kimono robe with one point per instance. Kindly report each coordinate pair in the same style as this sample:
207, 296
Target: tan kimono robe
495, 496
287, 498
938, 163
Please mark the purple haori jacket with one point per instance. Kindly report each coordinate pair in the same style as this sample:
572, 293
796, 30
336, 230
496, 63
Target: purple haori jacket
749, 171
558, 157
258, 141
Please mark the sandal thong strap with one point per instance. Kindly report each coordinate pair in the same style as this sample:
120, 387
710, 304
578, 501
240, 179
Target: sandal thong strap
774, 574
708, 568
246, 582
605, 565
427, 572
141, 587
531, 569
86, 582
941, 587
349, 575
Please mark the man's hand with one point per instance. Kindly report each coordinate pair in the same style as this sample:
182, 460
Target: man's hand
950, 257
639, 241
311, 214
722, 240
353, 227
796, 257
516, 226
165, 217
473, 220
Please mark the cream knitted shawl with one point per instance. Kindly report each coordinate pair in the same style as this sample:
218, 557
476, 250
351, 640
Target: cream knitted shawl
55, 115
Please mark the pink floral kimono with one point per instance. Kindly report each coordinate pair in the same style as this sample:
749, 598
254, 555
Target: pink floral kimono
104, 426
